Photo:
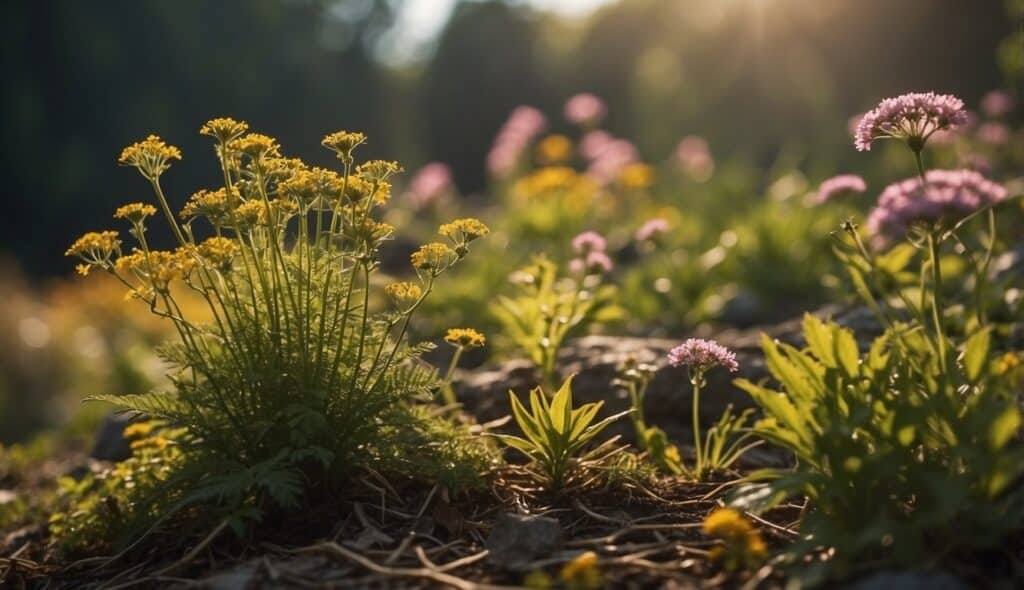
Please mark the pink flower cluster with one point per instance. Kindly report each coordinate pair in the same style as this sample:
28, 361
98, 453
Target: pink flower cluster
430, 184
911, 117
590, 254
606, 155
701, 355
585, 109
523, 125
948, 194
695, 158
840, 186
651, 229
997, 103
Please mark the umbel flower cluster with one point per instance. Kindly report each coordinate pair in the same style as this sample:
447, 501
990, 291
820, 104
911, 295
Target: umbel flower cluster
912, 118
945, 195
294, 369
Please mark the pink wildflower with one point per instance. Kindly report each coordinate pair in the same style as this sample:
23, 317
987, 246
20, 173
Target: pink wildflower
701, 355
997, 103
840, 186
948, 195
695, 157
584, 109
523, 125
430, 183
994, 133
589, 241
651, 229
911, 117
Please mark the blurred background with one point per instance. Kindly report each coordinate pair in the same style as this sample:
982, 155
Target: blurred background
427, 80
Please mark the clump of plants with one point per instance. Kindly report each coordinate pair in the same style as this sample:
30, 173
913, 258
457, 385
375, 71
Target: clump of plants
911, 449
296, 381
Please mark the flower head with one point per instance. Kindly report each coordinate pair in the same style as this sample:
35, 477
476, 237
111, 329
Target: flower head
589, 241
636, 176
150, 156
840, 186
224, 129
95, 248
135, 212
523, 125
741, 544
343, 143
585, 109
949, 195
694, 157
701, 355
464, 231
651, 229
554, 149
433, 258
404, 294
430, 183
257, 146
997, 103
582, 573
219, 252
378, 171
214, 205
912, 118
994, 133
465, 338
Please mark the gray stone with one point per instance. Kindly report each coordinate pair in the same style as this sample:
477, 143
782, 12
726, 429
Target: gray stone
517, 539
110, 443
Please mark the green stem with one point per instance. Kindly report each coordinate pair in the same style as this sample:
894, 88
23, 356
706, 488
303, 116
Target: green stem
447, 392
937, 306
698, 377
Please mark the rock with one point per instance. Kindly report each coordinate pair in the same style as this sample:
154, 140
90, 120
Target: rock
517, 539
595, 361
909, 580
110, 443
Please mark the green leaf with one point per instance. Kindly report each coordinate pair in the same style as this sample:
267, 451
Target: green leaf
1004, 427
819, 340
846, 350
561, 407
976, 354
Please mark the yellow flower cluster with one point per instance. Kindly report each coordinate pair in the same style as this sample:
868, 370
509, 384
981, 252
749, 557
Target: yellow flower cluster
253, 213
465, 338
214, 205
151, 156
433, 258
95, 244
464, 231
343, 142
556, 181
377, 170
301, 185
582, 573
139, 429
404, 294
135, 212
158, 268
554, 149
256, 145
225, 129
219, 252
742, 545
636, 176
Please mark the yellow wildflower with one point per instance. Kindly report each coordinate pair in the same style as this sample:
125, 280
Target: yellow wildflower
214, 205
404, 294
138, 429
378, 170
135, 212
554, 149
150, 156
465, 338
464, 231
636, 176
218, 251
249, 213
256, 145
94, 246
303, 186
582, 573
343, 142
1007, 362
154, 442
726, 523
434, 258
225, 129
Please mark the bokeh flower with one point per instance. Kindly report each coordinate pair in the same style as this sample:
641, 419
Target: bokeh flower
589, 241
585, 109
997, 103
523, 125
912, 118
996, 134
702, 355
554, 149
949, 195
636, 176
429, 184
840, 186
651, 229
694, 157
